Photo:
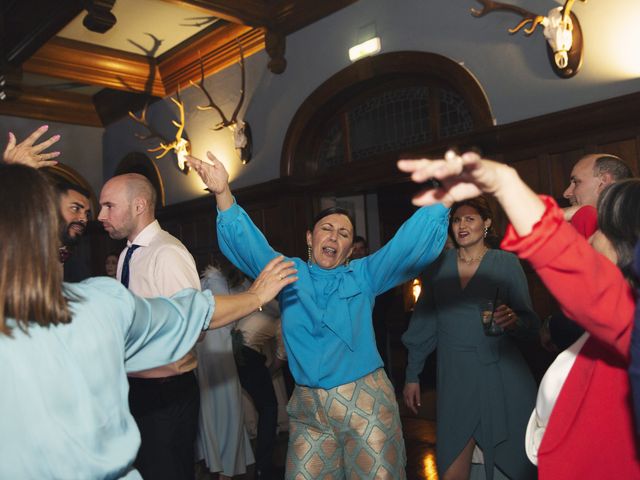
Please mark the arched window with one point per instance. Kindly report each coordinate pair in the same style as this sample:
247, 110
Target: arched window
380, 107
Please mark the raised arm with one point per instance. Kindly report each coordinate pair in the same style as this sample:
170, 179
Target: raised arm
215, 176
28, 152
467, 176
585, 283
239, 238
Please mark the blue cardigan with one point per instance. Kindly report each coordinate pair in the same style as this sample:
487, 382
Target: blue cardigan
326, 314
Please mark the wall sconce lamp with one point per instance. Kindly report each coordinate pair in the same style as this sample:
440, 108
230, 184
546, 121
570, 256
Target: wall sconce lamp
365, 49
561, 29
410, 293
368, 43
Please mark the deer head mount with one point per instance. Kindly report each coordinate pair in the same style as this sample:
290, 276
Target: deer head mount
180, 146
241, 130
561, 29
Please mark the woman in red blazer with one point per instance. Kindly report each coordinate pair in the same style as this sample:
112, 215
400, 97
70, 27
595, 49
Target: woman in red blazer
582, 426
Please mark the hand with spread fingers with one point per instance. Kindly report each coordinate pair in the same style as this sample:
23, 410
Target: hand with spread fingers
28, 152
215, 176
212, 173
460, 177
276, 275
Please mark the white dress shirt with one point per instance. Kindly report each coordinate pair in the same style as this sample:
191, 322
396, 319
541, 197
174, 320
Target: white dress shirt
161, 266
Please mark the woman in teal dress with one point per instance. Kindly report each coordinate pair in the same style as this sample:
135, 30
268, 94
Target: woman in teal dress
485, 391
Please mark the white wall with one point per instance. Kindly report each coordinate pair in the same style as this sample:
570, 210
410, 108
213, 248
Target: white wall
81, 146
513, 70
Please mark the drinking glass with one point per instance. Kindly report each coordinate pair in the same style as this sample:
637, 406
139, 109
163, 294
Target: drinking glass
489, 325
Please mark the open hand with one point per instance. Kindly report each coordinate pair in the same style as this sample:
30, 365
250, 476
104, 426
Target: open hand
212, 173
276, 275
460, 177
27, 153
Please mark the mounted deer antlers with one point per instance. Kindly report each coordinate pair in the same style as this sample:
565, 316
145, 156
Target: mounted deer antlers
561, 29
180, 145
241, 130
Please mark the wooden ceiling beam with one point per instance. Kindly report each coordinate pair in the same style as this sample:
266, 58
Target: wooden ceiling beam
254, 13
29, 24
95, 65
218, 50
52, 105
288, 16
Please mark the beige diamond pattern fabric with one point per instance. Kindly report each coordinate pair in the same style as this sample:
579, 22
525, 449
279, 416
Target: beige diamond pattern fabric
352, 431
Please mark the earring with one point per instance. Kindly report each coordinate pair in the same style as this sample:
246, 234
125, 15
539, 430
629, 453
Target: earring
309, 261
486, 230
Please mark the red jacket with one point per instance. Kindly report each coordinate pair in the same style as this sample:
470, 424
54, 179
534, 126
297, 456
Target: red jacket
591, 431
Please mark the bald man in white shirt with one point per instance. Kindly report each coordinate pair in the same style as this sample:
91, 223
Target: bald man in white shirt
164, 401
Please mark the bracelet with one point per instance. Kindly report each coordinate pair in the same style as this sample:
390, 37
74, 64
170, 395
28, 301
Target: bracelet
259, 304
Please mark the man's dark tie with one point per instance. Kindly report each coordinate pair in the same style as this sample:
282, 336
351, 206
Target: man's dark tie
124, 278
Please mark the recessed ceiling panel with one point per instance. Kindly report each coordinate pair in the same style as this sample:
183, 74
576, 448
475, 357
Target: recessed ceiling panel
143, 27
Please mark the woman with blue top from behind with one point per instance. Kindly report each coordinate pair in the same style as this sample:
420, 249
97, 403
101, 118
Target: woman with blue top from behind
344, 419
65, 349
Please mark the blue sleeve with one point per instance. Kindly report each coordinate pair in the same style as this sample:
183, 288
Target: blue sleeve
519, 300
242, 242
416, 244
421, 336
163, 330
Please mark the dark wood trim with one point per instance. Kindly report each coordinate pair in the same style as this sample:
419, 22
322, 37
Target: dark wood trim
245, 12
218, 50
52, 105
94, 65
28, 25
289, 16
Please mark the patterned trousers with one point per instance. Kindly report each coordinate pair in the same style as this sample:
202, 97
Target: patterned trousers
352, 431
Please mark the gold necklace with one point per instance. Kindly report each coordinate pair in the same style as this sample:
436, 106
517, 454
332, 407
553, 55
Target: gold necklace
469, 261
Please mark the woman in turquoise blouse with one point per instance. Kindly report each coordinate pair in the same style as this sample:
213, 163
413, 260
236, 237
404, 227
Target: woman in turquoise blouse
65, 349
484, 387
343, 414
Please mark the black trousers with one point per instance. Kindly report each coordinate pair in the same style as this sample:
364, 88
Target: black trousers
256, 380
166, 411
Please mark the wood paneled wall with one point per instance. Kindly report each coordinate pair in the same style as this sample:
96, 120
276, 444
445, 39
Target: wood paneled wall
542, 149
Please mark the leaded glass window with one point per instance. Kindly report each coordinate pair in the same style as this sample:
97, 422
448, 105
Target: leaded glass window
389, 122
455, 118
331, 152
393, 120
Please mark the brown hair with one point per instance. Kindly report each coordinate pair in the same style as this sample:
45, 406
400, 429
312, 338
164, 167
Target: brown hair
480, 205
30, 273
